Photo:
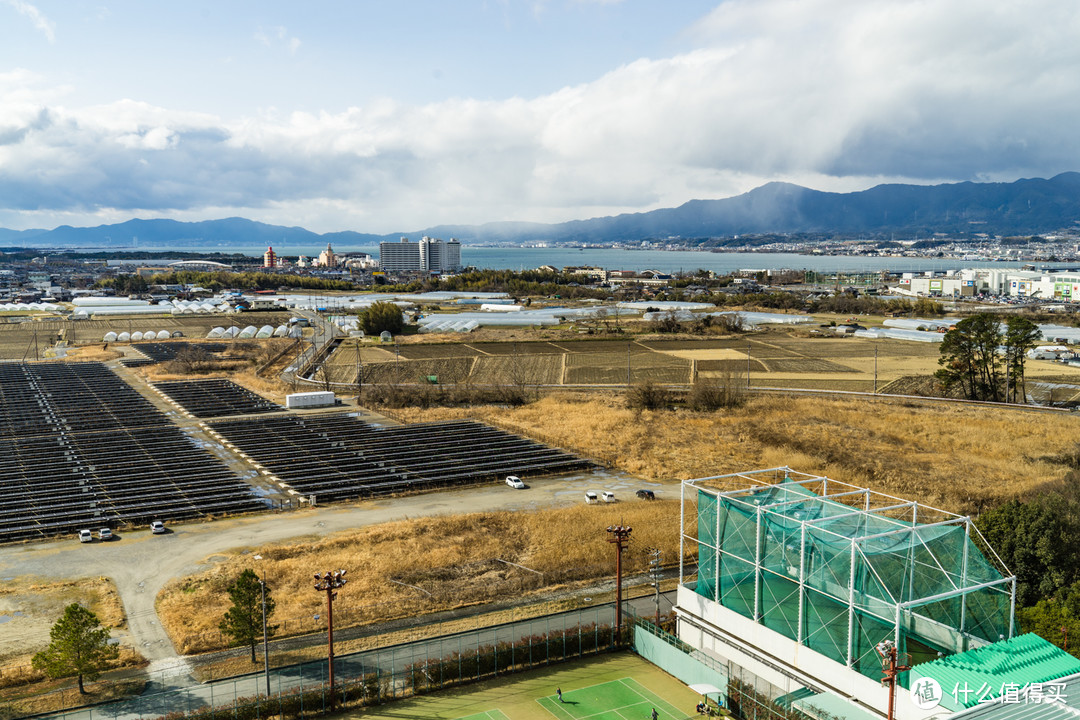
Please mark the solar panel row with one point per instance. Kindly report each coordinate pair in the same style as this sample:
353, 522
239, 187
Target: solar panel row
216, 397
162, 352
79, 447
336, 456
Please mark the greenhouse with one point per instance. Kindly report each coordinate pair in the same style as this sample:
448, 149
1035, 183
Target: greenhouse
839, 569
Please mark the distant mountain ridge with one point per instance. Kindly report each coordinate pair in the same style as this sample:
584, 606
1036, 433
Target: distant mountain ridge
1026, 206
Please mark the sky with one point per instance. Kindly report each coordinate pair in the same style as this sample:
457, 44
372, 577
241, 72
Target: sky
385, 117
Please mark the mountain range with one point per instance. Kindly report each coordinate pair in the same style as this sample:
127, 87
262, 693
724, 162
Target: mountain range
1028, 206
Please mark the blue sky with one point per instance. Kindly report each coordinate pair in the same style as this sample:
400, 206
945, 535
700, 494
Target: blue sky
395, 116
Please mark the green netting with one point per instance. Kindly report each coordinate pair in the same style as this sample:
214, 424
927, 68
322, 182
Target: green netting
826, 626
780, 604
860, 571
738, 529
987, 613
737, 585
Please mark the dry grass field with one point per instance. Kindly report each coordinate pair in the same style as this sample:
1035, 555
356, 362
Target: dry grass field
959, 458
457, 559
29, 609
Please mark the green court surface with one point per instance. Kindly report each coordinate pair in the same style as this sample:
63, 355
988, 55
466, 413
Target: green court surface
623, 699
619, 686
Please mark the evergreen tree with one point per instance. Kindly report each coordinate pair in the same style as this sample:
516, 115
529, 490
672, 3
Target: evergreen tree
243, 621
380, 317
969, 356
79, 645
1021, 335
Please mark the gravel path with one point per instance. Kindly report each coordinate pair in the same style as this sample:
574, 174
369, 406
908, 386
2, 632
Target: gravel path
141, 563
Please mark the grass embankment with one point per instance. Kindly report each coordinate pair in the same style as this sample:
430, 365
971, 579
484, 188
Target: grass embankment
456, 561
958, 458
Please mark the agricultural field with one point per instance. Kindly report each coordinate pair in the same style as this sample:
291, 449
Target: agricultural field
17, 339
775, 358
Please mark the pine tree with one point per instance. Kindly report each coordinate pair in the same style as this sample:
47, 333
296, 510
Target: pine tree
79, 645
243, 621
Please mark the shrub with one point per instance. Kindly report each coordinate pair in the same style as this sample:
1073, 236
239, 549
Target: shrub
712, 394
648, 396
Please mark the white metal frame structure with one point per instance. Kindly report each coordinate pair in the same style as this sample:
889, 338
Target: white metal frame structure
802, 554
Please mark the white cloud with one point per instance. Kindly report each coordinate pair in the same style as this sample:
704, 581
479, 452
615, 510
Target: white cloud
35, 16
835, 94
278, 37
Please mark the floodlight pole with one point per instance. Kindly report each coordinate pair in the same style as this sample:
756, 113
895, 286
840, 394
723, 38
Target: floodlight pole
890, 667
620, 536
266, 645
655, 570
328, 583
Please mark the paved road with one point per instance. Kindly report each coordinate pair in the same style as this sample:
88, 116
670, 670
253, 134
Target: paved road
140, 563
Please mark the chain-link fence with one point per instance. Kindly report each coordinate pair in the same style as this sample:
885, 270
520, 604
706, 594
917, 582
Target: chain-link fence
303, 690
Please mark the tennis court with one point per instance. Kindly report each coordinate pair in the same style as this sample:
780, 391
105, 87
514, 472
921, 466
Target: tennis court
618, 686
622, 699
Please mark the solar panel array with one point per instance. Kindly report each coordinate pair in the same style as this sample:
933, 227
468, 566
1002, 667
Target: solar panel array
155, 352
336, 456
216, 397
80, 448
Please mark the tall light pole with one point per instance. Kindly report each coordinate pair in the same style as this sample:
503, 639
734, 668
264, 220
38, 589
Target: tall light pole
328, 583
266, 644
654, 571
620, 535
890, 668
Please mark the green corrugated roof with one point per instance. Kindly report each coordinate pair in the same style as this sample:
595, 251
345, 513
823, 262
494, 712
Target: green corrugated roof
1023, 660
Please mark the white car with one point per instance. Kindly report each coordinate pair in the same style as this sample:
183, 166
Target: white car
86, 536
157, 527
515, 482
105, 534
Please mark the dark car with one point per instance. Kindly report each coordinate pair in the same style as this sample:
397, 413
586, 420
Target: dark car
646, 494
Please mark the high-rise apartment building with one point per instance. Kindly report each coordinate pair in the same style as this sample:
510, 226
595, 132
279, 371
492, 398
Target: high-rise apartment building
428, 255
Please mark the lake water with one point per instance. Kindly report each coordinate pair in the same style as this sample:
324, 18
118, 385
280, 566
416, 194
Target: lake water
667, 261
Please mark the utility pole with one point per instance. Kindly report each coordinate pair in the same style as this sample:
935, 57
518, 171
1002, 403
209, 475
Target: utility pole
890, 667
875, 369
654, 572
328, 583
620, 536
359, 370
266, 644
627, 365
747, 366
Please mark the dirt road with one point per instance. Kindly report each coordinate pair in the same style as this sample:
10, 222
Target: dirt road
141, 563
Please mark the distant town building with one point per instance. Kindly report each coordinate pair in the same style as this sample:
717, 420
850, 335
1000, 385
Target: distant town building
327, 257
590, 271
429, 255
269, 258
